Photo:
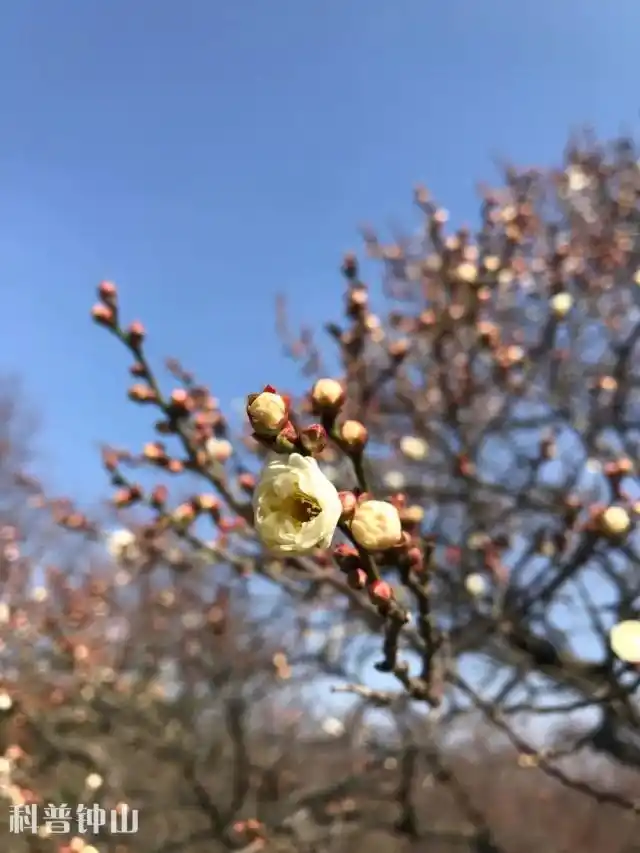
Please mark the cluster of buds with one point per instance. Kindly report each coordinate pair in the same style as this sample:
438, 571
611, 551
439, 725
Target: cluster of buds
105, 311
268, 414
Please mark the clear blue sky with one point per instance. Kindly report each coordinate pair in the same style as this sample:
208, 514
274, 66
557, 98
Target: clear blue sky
205, 155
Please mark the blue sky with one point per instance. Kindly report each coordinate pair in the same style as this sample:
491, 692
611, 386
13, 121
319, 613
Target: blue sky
206, 155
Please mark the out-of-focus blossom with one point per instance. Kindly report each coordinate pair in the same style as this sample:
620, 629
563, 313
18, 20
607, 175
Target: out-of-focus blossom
476, 584
624, 639
6, 702
219, 449
616, 521
577, 179
296, 506
93, 781
561, 304
333, 727
39, 594
414, 447
394, 480
122, 545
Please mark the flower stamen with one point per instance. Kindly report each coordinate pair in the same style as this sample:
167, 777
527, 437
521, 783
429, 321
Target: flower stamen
302, 507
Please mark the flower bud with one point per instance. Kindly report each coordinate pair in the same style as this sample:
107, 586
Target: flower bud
247, 481
357, 579
154, 451
615, 521
314, 439
327, 395
415, 558
380, 591
354, 434
103, 315
346, 557
376, 525
350, 266
411, 515
135, 333
268, 412
108, 292
142, 394
287, 439
159, 496
348, 501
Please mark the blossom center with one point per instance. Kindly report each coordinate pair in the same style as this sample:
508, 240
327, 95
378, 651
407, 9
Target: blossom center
301, 507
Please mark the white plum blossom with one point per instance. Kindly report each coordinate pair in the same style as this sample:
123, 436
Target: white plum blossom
296, 507
122, 545
376, 525
624, 639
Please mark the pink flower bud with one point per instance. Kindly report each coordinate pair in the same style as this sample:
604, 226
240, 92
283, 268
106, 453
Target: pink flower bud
103, 315
108, 292
347, 558
357, 579
349, 502
142, 394
314, 439
287, 439
380, 591
136, 333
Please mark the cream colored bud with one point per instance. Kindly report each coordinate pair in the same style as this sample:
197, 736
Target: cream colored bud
267, 412
327, 394
376, 525
354, 434
615, 521
561, 304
